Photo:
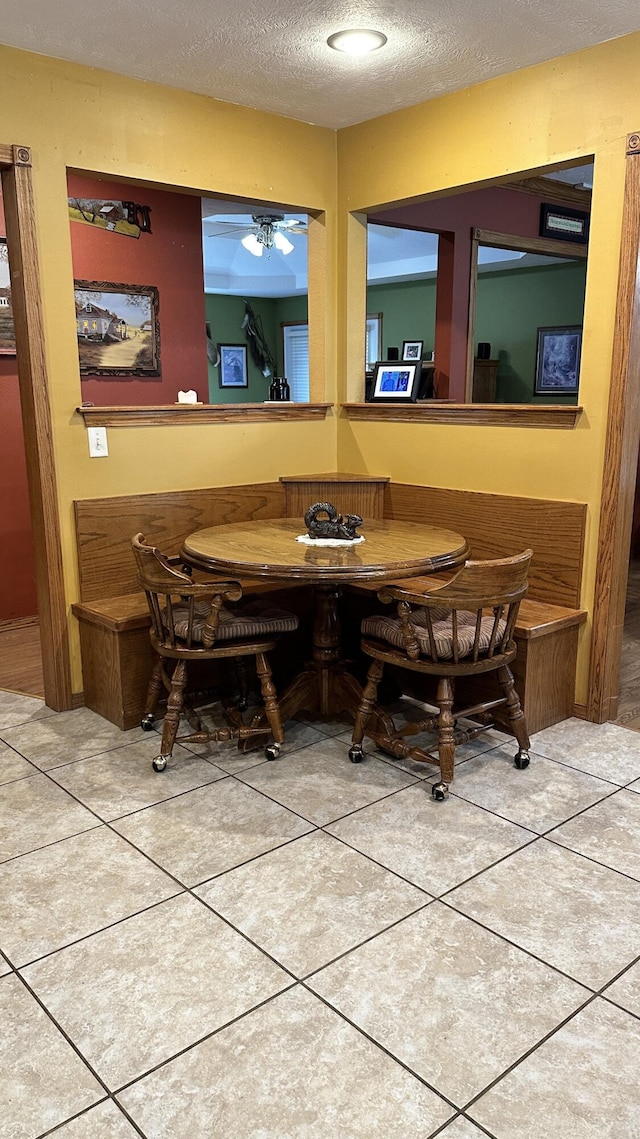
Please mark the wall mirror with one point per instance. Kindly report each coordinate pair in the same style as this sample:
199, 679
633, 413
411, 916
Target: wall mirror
497, 287
178, 292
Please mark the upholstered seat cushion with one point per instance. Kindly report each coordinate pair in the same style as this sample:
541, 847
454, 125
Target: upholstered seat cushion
386, 628
255, 619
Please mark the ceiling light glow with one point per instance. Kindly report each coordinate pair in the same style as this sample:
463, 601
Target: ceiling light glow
282, 243
357, 41
251, 243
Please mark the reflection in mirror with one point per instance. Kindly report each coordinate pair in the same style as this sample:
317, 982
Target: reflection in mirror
402, 267
502, 307
256, 285
519, 293
219, 276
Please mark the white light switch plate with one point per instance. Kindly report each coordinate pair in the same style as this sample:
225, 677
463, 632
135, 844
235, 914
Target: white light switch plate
98, 442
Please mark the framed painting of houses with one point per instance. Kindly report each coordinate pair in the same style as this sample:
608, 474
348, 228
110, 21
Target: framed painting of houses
7, 335
117, 329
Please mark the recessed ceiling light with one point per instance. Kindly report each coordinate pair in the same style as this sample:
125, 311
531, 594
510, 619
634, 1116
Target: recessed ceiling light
357, 41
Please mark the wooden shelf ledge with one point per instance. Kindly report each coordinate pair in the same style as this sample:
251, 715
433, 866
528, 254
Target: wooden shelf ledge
475, 414
171, 415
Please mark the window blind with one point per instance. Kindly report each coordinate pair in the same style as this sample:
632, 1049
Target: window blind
296, 360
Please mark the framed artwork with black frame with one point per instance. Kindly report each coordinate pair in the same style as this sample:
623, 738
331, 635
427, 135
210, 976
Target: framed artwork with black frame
564, 223
233, 366
412, 349
558, 360
396, 382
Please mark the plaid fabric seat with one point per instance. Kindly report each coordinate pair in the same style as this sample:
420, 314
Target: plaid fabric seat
386, 628
255, 619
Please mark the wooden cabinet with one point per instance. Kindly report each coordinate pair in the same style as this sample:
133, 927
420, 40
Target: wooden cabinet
485, 376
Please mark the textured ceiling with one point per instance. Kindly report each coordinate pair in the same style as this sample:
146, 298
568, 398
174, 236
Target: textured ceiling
274, 57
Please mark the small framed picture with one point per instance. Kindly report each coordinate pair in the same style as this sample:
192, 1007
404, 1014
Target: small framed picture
412, 349
396, 383
558, 360
233, 365
564, 223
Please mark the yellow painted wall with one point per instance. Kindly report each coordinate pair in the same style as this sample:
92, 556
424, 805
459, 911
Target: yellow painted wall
583, 104
78, 117
93, 120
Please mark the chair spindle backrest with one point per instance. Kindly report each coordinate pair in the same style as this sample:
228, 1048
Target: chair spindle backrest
497, 585
167, 588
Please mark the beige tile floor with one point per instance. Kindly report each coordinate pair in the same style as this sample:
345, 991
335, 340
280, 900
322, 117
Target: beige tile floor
311, 949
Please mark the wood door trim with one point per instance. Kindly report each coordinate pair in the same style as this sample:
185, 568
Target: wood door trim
15, 169
621, 451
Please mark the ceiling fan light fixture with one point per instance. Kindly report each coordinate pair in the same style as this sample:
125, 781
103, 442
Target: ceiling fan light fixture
251, 243
282, 243
357, 41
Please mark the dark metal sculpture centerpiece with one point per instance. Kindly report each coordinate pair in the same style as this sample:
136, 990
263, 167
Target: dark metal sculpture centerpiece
334, 525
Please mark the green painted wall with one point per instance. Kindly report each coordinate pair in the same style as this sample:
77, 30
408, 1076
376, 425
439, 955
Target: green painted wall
408, 312
510, 307
225, 315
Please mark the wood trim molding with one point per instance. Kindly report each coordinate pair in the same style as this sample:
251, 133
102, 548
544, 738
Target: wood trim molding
471, 322
551, 190
475, 414
36, 420
621, 450
180, 415
529, 244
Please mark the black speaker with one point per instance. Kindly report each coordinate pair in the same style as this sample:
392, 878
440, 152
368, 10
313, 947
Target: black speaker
393, 353
484, 351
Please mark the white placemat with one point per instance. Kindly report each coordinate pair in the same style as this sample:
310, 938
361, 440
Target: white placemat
308, 541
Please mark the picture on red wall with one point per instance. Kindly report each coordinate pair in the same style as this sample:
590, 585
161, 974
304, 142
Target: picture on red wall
127, 218
7, 334
117, 328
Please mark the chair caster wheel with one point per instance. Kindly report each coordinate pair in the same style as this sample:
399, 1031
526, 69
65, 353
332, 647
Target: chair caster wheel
522, 760
146, 722
272, 751
159, 763
356, 754
440, 791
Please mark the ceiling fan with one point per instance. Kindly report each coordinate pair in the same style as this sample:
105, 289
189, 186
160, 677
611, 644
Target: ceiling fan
264, 231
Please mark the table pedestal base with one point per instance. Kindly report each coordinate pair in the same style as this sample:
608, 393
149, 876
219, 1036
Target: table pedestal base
325, 687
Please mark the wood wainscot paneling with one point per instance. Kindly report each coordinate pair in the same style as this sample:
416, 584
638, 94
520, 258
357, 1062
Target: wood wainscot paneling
105, 527
497, 525
350, 494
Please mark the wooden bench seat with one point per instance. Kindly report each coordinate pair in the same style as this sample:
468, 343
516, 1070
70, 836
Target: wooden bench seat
545, 664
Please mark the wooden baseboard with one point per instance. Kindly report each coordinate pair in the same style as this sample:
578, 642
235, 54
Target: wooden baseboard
77, 700
580, 711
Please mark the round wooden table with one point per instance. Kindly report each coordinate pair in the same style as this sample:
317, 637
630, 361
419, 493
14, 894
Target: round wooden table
268, 549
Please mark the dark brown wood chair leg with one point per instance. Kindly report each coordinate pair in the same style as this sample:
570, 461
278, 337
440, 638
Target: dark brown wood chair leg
271, 706
446, 737
156, 685
172, 715
365, 710
517, 718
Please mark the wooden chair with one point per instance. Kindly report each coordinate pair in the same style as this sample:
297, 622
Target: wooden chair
461, 629
190, 622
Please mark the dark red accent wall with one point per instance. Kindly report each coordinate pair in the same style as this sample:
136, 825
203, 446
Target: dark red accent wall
170, 257
17, 573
